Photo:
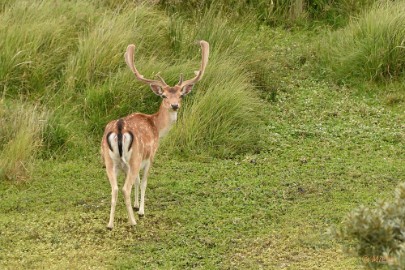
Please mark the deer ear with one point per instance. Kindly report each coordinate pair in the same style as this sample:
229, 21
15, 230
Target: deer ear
187, 89
156, 89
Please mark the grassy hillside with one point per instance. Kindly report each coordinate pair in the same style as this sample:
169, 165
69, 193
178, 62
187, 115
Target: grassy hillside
287, 132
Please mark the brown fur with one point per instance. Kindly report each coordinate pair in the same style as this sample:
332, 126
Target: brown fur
145, 129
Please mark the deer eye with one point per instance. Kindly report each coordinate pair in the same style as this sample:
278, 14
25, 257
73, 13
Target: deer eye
181, 96
163, 96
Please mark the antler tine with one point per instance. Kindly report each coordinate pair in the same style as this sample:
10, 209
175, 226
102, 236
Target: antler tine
161, 79
129, 59
205, 48
181, 79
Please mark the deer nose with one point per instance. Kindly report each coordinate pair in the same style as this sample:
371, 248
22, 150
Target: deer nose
175, 106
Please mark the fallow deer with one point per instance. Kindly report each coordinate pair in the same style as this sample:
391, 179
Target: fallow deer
129, 144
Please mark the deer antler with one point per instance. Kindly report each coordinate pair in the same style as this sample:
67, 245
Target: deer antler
180, 79
129, 59
205, 48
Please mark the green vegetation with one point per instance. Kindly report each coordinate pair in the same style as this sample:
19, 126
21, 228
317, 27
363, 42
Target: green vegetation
19, 139
288, 13
371, 47
378, 231
294, 124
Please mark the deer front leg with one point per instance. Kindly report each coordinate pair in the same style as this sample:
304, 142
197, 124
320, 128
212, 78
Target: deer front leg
143, 188
136, 191
112, 174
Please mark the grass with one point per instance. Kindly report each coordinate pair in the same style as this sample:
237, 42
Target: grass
370, 47
269, 210
225, 124
288, 13
267, 157
100, 53
35, 46
21, 138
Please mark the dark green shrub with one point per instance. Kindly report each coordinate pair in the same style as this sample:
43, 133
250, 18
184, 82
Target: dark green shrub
377, 234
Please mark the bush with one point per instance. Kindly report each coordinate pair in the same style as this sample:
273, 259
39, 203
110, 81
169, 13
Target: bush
378, 234
369, 48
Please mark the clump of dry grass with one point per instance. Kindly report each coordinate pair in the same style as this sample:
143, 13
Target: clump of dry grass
20, 138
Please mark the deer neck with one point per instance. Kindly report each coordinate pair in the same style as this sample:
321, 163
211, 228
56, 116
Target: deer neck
164, 120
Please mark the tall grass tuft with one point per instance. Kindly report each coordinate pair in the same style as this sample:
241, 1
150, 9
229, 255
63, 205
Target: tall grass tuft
100, 49
369, 48
221, 118
20, 138
35, 40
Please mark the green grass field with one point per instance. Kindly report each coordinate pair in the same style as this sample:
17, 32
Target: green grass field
262, 186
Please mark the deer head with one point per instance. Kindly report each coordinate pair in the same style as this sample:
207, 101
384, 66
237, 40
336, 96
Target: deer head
171, 95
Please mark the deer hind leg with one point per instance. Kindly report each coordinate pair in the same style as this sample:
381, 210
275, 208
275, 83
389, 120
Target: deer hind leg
143, 187
133, 171
112, 173
136, 191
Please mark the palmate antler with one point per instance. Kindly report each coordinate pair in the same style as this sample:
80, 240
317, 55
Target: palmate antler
129, 59
205, 50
